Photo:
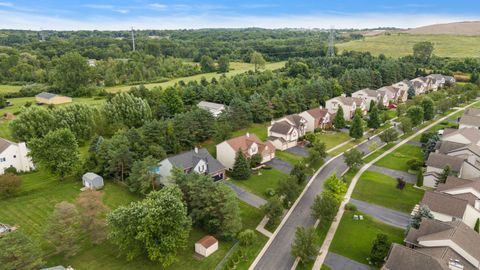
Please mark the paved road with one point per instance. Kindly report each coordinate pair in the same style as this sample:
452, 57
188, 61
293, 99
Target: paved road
409, 178
338, 262
419, 144
298, 150
246, 196
277, 255
386, 215
281, 165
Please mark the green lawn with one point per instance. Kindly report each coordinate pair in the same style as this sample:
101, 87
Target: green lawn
235, 69
378, 152
354, 238
397, 160
333, 138
5, 88
258, 184
288, 157
397, 45
258, 129
381, 189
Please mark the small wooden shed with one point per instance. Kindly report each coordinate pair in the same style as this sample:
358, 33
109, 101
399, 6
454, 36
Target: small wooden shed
92, 180
49, 98
206, 246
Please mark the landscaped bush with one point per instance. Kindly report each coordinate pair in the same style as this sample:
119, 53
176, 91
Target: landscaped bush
270, 192
246, 237
414, 164
400, 183
351, 207
267, 167
10, 184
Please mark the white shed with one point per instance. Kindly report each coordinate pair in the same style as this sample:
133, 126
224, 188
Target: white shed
206, 246
92, 180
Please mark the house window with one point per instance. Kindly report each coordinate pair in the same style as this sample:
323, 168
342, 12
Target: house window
3, 159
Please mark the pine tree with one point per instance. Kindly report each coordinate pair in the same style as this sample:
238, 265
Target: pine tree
372, 104
447, 171
380, 248
477, 225
356, 130
411, 92
241, 167
373, 118
339, 121
420, 178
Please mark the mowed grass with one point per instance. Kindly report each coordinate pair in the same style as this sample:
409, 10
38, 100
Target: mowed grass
397, 160
398, 45
380, 189
5, 89
354, 238
258, 129
332, 138
235, 69
259, 184
288, 157
18, 103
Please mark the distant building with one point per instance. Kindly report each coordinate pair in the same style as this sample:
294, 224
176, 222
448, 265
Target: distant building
370, 95
317, 118
92, 181
49, 98
214, 108
92, 62
284, 132
14, 155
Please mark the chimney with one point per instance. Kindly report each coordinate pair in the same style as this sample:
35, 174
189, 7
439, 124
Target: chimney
248, 135
196, 150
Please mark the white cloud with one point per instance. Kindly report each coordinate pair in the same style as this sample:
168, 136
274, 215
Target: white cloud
98, 6
158, 6
23, 20
6, 4
123, 11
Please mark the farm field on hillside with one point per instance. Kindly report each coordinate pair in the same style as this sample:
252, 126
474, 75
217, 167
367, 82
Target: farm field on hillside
397, 45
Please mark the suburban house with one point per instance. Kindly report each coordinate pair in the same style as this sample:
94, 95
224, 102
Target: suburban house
214, 108
368, 95
389, 91
419, 85
459, 165
249, 144
449, 80
404, 258
445, 245
472, 112
14, 155
464, 135
317, 118
348, 104
197, 161
206, 246
469, 121
284, 132
49, 98
438, 81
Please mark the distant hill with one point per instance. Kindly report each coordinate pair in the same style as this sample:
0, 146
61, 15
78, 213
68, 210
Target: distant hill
458, 28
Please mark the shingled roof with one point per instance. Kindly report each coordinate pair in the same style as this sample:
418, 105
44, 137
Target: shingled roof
244, 142
445, 203
437, 160
472, 112
190, 159
404, 258
282, 127
470, 120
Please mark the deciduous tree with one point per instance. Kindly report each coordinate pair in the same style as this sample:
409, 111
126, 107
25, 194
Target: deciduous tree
273, 209
389, 135
91, 211
353, 158
256, 58
142, 177
305, 245
18, 251
422, 51
324, 207
428, 108
128, 110
415, 113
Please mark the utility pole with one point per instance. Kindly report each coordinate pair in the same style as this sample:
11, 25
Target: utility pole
331, 43
133, 40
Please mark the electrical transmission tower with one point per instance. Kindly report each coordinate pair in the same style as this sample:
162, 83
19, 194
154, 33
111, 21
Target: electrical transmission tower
42, 36
331, 43
133, 40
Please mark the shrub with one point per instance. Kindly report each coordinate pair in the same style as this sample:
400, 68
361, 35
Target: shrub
9, 184
246, 237
255, 160
414, 164
351, 207
11, 170
400, 183
419, 178
267, 167
270, 192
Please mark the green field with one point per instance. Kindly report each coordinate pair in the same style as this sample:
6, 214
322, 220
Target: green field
381, 189
397, 45
354, 238
5, 89
236, 68
259, 184
397, 160
332, 138
288, 157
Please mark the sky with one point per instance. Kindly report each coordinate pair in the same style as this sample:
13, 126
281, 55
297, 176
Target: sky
178, 14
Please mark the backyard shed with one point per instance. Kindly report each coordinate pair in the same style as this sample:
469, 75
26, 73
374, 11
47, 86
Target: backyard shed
49, 98
206, 246
92, 180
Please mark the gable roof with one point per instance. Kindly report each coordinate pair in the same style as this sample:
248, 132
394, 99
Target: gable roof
472, 111
244, 142
470, 120
210, 105
4, 144
369, 92
453, 183
344, 100
188, 160
295, 119
389, 88
207, 241
46, 95
318, 113
444, 203
447, 146
282, 127
404, 258
472, 134
358, 101
437, 160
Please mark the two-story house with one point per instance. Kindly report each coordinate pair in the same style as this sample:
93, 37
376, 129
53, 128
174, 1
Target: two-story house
317, 118
285, 132
14, 155
369, 95
249, 144
348, 104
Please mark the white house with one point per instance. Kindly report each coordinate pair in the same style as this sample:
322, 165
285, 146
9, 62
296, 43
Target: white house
284, 132
206, 246
419, 85
317, 118
369, 95
249, 144
438, 81
14, 155
389, 91
214, 108
348, 105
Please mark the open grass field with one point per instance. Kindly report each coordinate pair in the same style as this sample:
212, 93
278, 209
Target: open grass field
5, 88
397, 45
288, 157
397, 160
235, 69
381, 189
354, 238
333, 138
258, 129
258, 184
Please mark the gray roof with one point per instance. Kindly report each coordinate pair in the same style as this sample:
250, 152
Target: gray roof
295, 119
190, 159
437, 160
46, 95
4, 144
282, 127
447, 146
404, 258
472, 111
210, 105
369, 92
445, 203
345, 100
471, 133
470, 120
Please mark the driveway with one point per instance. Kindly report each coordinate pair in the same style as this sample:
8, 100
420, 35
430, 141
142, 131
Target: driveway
409, 178
298, 150
386, 215
246, 196
338, 262
280, 165
277, 254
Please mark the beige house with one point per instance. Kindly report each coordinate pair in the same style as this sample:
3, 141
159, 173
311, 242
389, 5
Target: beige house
348, 104
249, 144
206, 246
49, 98
285, 132
317, 118
369, 95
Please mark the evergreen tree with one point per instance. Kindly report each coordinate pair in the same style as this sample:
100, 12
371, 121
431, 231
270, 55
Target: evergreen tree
260, 108
373, 118
419, 178
356, 130
380, 249
477, 225
428, 108
416, 219
372, 104
442, 178
475, 76
339, 120
241, 167
411, 92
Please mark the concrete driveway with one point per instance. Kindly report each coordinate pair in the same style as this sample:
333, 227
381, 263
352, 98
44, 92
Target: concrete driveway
338, 262
246, 196
409, 178
386, 215
280, 165
298, 150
